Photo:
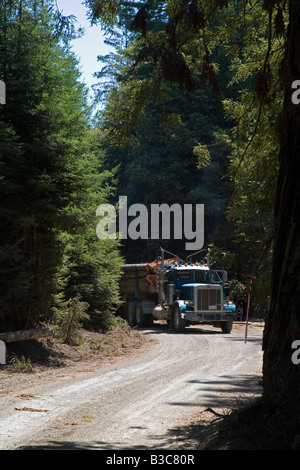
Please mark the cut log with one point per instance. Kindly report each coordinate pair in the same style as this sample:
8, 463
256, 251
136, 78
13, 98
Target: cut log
14, 336
155, 266
151, 279
133, 274
136, 267
145, 267
127, 286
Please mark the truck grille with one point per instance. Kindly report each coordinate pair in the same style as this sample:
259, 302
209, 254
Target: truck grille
209, 299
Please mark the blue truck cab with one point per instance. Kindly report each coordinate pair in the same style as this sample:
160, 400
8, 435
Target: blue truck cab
192, 293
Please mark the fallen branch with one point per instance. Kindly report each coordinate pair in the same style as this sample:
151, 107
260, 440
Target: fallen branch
34, 410
214, 412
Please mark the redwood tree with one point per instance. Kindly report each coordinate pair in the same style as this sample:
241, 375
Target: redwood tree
281, 377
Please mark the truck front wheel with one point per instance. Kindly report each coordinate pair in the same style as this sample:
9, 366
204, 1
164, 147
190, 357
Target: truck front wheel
178, 323
226, 326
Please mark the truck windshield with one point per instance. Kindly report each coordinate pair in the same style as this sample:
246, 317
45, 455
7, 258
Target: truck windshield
192, 276
184, 275
201, 276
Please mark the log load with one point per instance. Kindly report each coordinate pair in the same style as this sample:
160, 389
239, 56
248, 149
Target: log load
141, 275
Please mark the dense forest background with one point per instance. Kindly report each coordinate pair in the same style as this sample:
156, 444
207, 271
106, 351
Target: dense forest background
200, 135
159, 139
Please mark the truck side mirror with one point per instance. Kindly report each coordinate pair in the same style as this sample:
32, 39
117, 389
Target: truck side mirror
224, 276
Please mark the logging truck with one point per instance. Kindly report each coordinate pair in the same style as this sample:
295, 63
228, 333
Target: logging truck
181, 292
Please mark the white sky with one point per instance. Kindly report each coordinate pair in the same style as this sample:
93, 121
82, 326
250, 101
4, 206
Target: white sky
88, 47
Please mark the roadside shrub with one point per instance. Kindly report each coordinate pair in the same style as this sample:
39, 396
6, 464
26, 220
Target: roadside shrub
20, 365
68, 320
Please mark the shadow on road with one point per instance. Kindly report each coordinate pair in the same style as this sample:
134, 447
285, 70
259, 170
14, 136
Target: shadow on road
159, 328
226, 392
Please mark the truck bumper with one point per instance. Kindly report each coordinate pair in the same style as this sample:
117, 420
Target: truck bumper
208, 316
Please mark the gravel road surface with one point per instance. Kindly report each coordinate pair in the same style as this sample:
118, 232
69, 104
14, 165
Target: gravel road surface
137, 401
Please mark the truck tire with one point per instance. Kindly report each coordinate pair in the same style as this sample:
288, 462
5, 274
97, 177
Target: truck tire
149, 319
178, 324
139, 315
141, 318
131, 313
226, 326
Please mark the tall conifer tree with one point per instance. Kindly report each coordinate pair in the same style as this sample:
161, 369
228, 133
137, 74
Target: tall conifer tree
50, 178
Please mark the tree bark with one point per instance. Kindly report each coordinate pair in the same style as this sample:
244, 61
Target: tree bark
281, 378
25, 335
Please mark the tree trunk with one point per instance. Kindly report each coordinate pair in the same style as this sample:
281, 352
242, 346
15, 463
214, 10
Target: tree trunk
281, 377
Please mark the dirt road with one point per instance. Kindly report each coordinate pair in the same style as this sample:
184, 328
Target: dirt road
138, 401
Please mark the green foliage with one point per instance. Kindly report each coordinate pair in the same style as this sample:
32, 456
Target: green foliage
51, 179
35, 160
255, 149
203, 155
69, 318
20, 365
154, 134
94, 272
104, 10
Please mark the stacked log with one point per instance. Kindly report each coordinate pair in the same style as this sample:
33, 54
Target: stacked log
141, 275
